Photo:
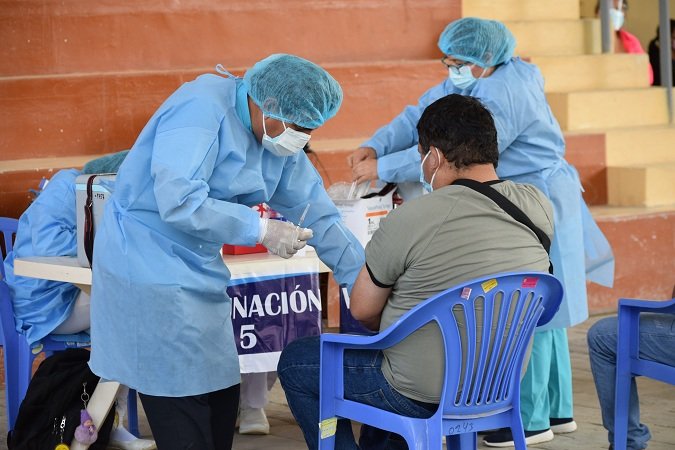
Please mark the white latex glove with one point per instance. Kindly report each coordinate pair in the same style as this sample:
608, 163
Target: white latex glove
283, 238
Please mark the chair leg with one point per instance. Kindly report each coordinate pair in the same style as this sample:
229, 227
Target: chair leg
518, 431
11, 387
519, 438
132, 413
327, 443
467, 441
621, 400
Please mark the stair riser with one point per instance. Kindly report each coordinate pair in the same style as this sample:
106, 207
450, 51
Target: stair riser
609, 109
522, 9
84, 36
76, 115
645, 259
642, 146
589, 72
641, 186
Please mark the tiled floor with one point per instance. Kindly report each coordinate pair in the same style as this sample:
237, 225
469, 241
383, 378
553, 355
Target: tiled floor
657, 404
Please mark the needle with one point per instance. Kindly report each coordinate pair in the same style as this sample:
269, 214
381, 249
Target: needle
302, 217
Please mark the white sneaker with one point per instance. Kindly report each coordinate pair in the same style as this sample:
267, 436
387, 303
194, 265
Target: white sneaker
136, 444
121, 439
562, 426
253, 421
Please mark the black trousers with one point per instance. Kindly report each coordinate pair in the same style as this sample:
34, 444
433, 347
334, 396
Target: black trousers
198, 422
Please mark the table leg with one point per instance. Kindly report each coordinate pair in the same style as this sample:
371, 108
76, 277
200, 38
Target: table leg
99, 406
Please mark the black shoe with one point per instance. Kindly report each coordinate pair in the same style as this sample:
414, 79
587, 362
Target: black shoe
505, 438
562, 426
493, 431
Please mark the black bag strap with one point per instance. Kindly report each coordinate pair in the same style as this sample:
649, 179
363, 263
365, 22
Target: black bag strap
89, 220
511, 209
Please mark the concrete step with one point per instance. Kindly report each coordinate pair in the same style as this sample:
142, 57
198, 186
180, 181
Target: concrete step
641, 185
521, 9
567, 73
642, 239
73, 115
78, 114
556, 37
584, 151
588, 110
81, 36
641, 145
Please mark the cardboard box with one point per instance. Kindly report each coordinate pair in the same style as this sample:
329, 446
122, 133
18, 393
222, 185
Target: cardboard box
362, 216
102, 189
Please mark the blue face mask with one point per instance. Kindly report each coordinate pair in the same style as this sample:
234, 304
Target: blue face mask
462, 78
428, 187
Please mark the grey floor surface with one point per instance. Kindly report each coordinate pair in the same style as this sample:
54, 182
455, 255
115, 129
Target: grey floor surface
657, 403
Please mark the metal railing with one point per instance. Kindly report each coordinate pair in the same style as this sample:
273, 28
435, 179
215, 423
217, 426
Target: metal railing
664, 45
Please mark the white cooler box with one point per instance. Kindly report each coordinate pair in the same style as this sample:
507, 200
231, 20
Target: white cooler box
102, 188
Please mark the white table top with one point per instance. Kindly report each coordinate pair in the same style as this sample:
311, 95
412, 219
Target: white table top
66, 268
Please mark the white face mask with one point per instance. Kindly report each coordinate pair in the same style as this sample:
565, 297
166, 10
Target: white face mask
288, 143
429, 187
616, 17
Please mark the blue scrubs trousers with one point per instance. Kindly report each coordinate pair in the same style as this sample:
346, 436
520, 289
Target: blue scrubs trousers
546, 388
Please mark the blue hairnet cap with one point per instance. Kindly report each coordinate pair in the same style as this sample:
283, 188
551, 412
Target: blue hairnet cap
486, 43
294, 90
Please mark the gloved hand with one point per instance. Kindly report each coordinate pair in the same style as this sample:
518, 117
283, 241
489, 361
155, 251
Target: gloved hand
283, 238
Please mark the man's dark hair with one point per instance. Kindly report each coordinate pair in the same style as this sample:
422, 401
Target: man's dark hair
460, 127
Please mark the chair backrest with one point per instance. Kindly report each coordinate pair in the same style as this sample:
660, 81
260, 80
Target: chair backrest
8, 228
483, 363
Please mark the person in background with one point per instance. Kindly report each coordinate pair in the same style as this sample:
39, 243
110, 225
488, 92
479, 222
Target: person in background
216, 147
480, 63
656, 343
457, 140
41, 307
255, 389
655, 57
624, 42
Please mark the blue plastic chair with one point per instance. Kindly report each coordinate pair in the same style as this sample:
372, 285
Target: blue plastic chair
8, 227
628, 362
19, 357
491, 395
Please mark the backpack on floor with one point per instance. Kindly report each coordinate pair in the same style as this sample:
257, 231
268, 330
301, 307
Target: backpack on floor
50, 412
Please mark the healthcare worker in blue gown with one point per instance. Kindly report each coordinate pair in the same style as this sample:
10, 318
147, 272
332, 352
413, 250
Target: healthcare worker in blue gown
161, 318
480, 63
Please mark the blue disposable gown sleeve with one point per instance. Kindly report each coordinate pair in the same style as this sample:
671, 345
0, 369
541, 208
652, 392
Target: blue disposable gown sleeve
182, 163
401, 133
47, 228
400, 167
496, 100
336, 246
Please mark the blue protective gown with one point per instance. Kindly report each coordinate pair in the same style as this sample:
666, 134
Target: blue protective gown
531, 150
47, 228
160, 313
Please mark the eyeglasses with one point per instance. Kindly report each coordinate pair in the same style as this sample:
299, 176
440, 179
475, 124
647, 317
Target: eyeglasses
450, 64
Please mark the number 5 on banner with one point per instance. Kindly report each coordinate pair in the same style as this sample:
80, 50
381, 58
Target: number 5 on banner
246, 333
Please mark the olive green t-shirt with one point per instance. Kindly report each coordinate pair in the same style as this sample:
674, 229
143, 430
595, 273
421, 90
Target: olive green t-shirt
435, 242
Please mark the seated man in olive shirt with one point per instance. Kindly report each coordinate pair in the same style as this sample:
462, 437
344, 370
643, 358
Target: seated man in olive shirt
426, 246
